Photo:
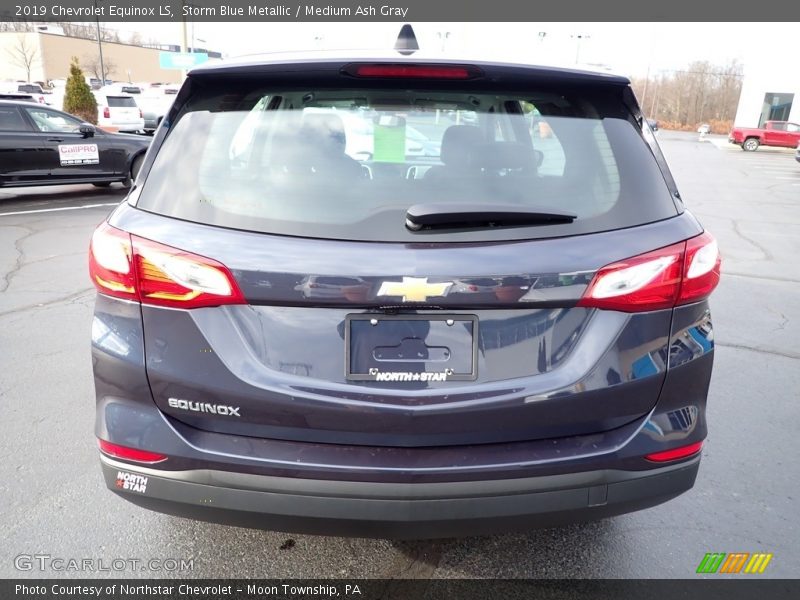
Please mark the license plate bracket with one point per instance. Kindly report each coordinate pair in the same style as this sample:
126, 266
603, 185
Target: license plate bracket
411, 348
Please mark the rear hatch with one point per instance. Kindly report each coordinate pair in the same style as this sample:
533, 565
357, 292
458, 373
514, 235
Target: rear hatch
123, 109
293, 291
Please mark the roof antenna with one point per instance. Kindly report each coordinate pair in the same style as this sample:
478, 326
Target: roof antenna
406, 41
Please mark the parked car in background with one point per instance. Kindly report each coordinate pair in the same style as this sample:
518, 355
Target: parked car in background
298, 333
95, 83
44, 146
119, 111
17, 96
774, 133
155, 103
797, 153
32, 89
653, 124
704, 129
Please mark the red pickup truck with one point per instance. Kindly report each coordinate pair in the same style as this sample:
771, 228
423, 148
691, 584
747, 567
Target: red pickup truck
774, 133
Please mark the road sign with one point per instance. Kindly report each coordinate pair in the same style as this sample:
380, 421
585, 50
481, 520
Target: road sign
181, 60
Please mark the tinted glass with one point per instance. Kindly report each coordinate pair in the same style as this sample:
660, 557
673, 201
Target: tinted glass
347, 164
121, 101
11, 120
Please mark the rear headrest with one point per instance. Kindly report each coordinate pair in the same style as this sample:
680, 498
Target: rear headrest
458, 142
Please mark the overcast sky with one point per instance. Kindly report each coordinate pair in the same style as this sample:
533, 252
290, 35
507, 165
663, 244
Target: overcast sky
628, 48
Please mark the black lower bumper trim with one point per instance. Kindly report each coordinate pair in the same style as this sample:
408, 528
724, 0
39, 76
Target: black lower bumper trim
397, 510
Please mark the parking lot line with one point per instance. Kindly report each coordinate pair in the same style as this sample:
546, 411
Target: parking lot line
46, 210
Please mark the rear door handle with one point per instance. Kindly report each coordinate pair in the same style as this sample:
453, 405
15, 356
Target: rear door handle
55, 139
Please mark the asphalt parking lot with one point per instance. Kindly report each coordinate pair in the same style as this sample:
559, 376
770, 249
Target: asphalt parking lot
745, 500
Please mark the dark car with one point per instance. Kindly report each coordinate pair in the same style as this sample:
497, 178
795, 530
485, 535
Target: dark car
515, 333
44, 146
17, 96
797, 153
653, 124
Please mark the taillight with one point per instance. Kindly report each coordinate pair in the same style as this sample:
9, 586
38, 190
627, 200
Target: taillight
133, 454
106, 113
111, 262
701, 269
127, 266
412, 71
141, 115
170, 277
678, 274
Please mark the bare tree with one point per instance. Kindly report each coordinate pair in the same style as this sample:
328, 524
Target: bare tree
79, 30
16, 26
109, 35
701, 92
24, 54
88, 31
91, 64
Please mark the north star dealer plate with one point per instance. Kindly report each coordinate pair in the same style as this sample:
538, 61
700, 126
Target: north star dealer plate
78, 154
413, 349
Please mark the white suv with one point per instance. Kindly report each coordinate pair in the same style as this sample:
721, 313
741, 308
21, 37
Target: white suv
119, 111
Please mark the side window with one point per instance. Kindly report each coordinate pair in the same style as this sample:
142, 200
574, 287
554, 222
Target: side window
48, 121
11, 119
779, 126
793, 127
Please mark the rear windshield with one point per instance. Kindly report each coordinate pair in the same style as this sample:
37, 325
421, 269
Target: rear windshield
121, 101
349, 163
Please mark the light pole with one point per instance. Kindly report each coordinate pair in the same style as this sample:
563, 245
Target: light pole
443, 37
100, 46
579, 37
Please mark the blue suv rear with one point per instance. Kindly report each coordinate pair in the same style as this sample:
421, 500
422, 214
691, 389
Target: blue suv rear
303, 323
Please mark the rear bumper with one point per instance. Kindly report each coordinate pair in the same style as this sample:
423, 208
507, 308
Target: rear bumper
398, 510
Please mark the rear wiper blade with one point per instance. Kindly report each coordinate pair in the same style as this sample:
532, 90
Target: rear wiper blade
464, 216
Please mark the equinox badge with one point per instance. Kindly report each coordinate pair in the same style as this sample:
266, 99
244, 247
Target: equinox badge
204, 407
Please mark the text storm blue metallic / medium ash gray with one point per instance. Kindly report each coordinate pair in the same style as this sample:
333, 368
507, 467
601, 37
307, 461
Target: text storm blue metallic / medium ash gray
303, 324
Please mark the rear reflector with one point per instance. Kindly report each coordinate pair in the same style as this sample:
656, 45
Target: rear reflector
675, 453
412, 71
682, 273
127, 266
134, 454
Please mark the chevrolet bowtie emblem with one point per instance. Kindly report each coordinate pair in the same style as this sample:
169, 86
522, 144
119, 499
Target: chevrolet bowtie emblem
414, 289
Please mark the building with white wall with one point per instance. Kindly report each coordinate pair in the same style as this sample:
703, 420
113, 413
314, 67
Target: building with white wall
47, 55
770, 92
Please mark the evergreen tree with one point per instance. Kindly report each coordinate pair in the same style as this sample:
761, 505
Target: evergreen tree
78, 97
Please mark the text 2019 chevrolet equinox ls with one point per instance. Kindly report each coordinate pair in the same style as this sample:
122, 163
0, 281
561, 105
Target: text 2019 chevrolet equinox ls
513, 333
